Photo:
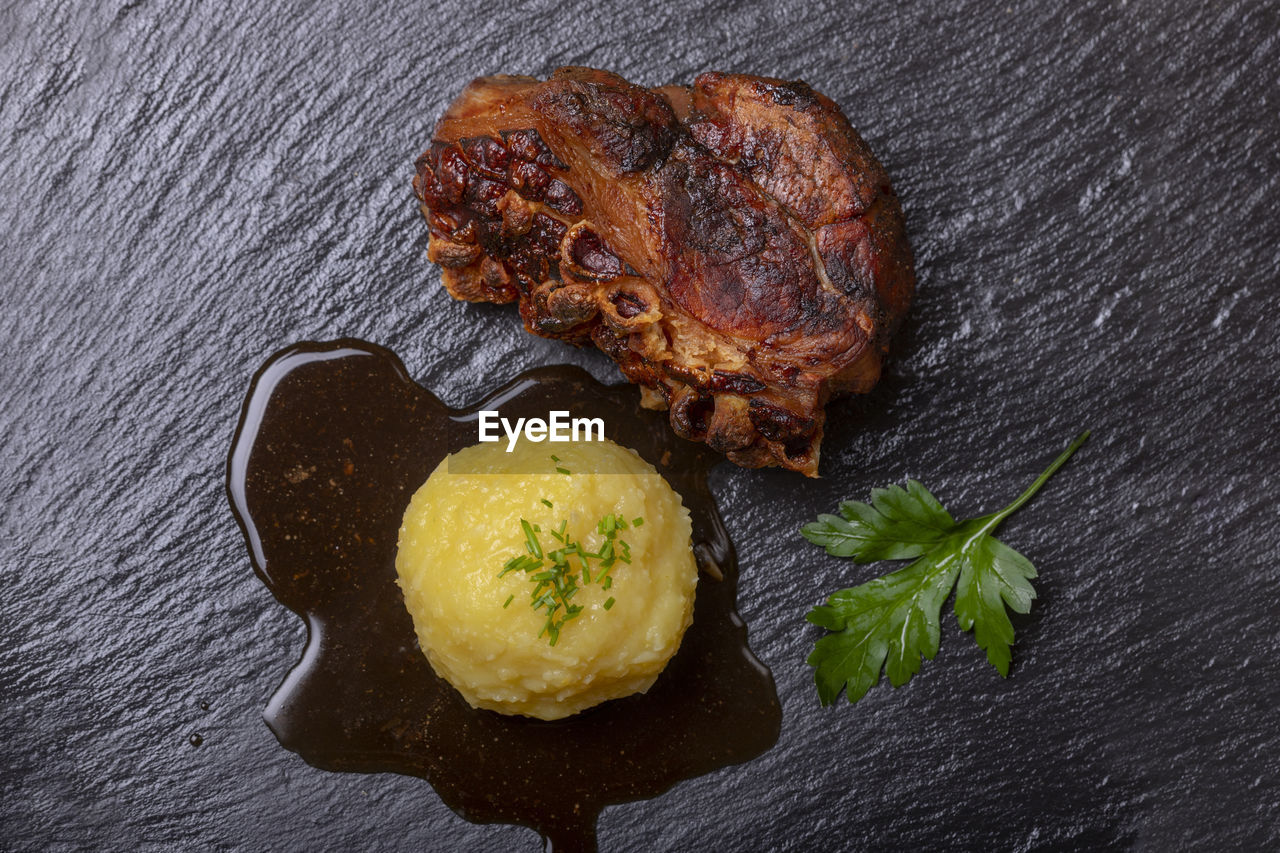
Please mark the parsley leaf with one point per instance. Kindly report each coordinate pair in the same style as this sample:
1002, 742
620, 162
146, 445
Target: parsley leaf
891, 622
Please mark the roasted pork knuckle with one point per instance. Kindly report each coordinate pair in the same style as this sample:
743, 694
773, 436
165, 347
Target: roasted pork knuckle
733, 245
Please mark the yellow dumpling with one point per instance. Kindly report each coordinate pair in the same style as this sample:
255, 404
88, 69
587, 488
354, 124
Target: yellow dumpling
479, 626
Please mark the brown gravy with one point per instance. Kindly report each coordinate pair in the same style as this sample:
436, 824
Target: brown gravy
333, 440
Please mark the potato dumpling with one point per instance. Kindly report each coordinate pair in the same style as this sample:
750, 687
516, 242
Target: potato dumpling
479, 627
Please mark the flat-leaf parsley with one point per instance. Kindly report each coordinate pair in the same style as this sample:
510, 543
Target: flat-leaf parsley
890, 622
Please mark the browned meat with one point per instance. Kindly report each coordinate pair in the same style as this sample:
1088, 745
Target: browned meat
733, 245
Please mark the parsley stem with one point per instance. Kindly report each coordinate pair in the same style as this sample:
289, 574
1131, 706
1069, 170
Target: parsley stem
1022, 499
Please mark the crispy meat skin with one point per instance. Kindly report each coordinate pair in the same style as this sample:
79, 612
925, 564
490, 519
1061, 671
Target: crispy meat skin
733, 245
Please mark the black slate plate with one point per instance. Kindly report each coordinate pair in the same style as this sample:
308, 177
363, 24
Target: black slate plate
1090, 195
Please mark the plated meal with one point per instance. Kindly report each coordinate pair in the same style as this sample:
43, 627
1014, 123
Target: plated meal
531, 602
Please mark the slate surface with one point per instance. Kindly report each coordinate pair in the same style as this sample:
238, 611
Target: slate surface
1091, 196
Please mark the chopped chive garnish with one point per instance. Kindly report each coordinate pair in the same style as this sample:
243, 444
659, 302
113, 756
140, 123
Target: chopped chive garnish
555, 579
560, 470
510, 598
531, 541
608, 603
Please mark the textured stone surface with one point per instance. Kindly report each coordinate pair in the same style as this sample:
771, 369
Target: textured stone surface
1091, 196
